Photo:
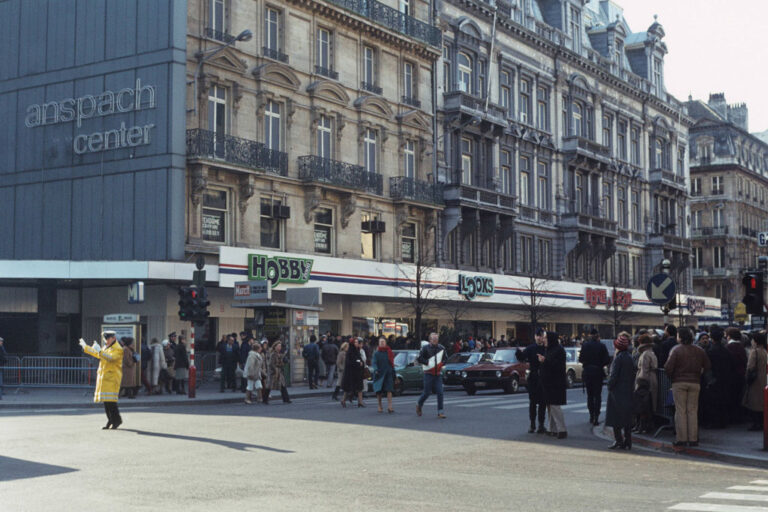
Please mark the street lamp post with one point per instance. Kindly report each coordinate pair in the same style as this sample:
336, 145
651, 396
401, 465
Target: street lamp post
204, 56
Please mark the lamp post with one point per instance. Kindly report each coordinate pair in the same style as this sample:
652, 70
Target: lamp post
204, 56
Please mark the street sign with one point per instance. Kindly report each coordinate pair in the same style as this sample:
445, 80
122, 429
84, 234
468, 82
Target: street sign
121, 318
762, 239
758, 322
661, 289
253, 290
740, 313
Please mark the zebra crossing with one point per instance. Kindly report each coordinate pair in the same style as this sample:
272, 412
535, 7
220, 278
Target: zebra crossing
499, 402
739, 498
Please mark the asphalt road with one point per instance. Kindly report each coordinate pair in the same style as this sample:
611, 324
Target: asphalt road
314, 455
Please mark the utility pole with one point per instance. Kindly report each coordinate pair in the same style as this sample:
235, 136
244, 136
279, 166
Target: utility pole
665, 266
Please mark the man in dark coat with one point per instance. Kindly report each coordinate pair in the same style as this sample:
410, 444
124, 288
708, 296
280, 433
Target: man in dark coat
621, 384
594, 358
432, 356
554, 384
715, 395
329, 353
670, 341
311, 354
533, 381
245, 348
739, 361
229, 356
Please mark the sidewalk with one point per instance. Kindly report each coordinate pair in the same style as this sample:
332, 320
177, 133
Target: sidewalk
207, 394
733, 444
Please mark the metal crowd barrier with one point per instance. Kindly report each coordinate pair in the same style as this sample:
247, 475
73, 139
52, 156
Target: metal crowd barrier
665, 405
49, 372
206, 367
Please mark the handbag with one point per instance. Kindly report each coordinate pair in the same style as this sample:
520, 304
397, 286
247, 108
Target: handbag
366, 373
751, 376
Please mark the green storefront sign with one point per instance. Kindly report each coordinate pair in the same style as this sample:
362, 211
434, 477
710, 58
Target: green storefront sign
279, 269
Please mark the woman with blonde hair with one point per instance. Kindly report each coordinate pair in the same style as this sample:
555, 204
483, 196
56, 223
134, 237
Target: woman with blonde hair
384, 374
340, 361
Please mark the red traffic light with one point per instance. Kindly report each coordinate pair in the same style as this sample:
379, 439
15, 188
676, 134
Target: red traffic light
752, 283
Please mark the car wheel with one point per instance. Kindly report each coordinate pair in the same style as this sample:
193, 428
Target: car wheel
570, 378
470, 389
512, 386
398, 387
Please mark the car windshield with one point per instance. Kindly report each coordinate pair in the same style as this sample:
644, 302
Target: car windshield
465, 357
570, 356
504, 356
401, 359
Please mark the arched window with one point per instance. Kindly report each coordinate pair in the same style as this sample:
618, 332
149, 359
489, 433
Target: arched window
465, 73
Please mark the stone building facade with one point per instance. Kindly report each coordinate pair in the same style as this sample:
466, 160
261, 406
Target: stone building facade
729, 178
563, 155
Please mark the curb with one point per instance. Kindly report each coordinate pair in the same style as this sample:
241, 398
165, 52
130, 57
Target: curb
129, 404
696, 452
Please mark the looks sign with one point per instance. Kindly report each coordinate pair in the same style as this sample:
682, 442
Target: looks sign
76, 110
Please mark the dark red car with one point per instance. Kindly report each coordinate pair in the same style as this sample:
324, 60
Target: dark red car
502, 371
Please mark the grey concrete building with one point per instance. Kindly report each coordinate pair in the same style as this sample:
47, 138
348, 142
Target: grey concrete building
729, 177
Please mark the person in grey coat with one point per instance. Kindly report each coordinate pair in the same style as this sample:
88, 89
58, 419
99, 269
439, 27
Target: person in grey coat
621, 385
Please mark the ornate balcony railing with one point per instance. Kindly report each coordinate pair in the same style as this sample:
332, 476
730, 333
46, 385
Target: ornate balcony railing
574, 143
327, 72
709, 272
413, 102
224, 37
527, 213
402, 188
479, 197
393, 19
584, 215
274, 54
234, 150
709, 231
375, 89
457, 100
342, 174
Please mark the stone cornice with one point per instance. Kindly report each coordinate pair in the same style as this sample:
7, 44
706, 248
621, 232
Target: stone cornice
366, 26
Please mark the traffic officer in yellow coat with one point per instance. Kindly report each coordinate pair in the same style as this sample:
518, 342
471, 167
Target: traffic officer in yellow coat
109, 376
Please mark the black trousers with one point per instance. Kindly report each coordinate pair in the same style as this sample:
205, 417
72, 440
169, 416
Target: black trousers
623, 439
227, 376
593, 383
313, 368
113, 414
532, 412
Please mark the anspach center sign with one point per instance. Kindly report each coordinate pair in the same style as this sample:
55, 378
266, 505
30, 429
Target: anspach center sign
107, 103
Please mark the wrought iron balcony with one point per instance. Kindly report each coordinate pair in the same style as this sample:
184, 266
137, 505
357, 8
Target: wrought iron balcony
234, 150
527, 213
274, 54
709, 231
667, 239
584, 216
666, 177
709, 272
393, 19
375, 89
341, 174
460, 101
402, 188
413, 102
327, 72
224, 37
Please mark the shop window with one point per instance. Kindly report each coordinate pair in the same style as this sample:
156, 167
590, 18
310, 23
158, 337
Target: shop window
408, 246
215, 216
270, 224
369, 236
323, 230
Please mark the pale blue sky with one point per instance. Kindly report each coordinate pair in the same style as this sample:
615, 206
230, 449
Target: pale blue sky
714, 46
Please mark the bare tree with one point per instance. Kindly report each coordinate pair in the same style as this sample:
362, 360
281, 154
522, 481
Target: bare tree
537, 300
424, 283
617, 313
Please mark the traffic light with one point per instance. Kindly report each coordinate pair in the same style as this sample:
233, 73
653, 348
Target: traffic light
187, 298
200, 308
753, 293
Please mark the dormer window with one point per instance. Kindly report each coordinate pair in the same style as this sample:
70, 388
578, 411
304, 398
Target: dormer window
657, 73
575, 28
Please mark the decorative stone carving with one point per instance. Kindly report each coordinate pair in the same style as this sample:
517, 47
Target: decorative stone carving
237, 95
401, 217
199, 182
246, 189
311, 202
348, 207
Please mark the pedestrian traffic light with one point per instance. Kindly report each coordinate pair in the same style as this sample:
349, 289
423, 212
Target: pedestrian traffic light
753, 293
187, 296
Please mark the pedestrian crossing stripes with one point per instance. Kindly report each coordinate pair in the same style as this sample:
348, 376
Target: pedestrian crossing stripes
724, 501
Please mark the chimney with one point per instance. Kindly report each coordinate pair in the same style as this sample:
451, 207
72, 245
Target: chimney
738, 115
717, 103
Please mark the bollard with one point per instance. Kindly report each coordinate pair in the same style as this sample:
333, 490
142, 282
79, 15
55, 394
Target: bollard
192, 369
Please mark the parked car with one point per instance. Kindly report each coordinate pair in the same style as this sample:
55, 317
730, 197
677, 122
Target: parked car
409, 375
502, 370
457, 363
573, 367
